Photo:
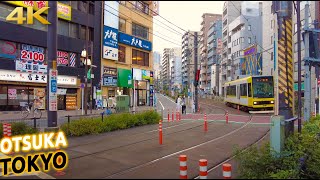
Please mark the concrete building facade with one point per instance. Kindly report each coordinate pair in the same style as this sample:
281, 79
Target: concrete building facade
207, 20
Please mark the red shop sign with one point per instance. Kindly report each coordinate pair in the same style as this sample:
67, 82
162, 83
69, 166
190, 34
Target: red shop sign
32, 53
62, 58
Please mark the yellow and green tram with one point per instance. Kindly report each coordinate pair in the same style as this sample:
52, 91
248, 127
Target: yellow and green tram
250, 93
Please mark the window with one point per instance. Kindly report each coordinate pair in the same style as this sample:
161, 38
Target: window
141, 6
243, 90
91, 8
271, 40
83, 33
83, 6
91, 34
63, 27
249, 40
122, 25
122, 2
271, 56
295, 47
271, 24
122, 54
242, 40
249, 27
249, 89
74, 30
271, 71
140, 31
295, 27
139, 57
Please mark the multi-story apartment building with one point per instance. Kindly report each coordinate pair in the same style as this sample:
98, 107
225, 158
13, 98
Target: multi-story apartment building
23, 54
175, 66
246, 35
165, 69
207, 19
188, 59
214, 54
231, 10
127, 58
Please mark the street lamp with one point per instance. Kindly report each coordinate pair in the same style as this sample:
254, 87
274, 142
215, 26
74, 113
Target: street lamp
84, 54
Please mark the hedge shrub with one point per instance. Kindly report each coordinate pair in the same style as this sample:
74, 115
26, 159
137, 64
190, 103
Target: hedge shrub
19, 128
300, 158
86, 126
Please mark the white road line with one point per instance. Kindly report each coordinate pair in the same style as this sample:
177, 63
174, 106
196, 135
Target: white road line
161, 105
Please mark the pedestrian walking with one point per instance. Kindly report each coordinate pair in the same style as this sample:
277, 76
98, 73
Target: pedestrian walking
183, 104
178, 108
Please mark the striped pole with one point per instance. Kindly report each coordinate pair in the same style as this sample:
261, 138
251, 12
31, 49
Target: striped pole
160, 132
203, 173
168, 115
183, 167
9, 130
177, 116
205, 122
227, 117
238, 108
226, 171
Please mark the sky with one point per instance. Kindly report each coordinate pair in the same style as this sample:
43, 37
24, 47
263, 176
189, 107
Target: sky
185, 14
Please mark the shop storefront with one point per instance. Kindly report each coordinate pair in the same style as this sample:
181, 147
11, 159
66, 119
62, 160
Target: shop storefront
143, 95
109, 85
19, 88
125, 83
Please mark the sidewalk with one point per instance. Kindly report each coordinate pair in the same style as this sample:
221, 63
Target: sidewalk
14, 115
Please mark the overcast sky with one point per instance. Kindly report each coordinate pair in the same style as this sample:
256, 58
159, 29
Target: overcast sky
185, 14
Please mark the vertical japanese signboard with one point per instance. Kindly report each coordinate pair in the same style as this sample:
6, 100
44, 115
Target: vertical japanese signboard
110, 30
53, 90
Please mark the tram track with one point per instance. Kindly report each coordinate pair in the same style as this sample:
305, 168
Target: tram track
178, 152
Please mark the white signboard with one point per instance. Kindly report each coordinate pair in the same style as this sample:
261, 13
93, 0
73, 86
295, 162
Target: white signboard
137, 74
24, 66
110, 53
53, 87
6, 75
111, 14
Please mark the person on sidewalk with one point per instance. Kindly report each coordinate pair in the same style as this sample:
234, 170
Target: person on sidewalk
183, 104
178, 108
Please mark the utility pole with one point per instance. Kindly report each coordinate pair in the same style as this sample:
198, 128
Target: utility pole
196, 71
52, 56
307, 69
299, 65
86, 66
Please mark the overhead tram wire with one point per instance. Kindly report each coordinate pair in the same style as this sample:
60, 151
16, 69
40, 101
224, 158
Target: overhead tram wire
148, 31
176, 32
255, 39
129, 17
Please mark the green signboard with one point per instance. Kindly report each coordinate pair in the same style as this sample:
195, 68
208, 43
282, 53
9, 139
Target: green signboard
296, 86
125, 78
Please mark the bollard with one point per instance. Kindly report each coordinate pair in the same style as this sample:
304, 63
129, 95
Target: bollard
203, 171
160, 132
168, 115
226, 171
183, 167
177, 116
172, 116
227, 117
205, 122
102, 116
9, 135
35, 122
5, 130
238, 108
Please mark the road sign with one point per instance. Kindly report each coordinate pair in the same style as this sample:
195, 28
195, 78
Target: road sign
82, 85
53, 90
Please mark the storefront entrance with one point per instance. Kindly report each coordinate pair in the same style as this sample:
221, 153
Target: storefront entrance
61, 102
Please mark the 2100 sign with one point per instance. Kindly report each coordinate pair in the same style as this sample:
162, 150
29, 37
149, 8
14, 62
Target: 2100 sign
29, 56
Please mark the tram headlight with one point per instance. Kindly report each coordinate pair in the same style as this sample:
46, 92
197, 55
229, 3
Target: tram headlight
271, 102
255, 102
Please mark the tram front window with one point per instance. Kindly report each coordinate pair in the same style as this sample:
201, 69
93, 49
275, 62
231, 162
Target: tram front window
262, 87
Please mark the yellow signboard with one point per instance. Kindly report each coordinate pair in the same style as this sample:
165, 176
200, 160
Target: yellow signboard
64, 11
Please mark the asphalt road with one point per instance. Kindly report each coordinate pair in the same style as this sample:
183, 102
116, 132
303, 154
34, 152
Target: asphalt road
136, 152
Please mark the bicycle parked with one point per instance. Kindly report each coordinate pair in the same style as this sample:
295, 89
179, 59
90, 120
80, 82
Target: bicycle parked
27, 109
